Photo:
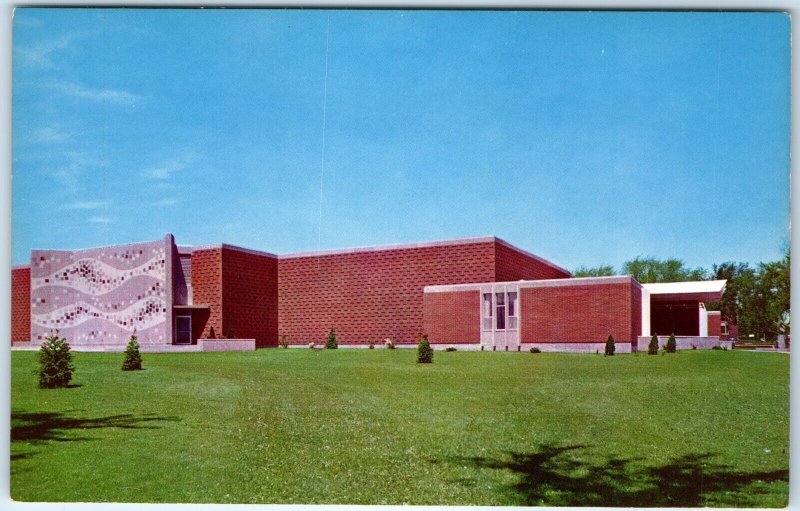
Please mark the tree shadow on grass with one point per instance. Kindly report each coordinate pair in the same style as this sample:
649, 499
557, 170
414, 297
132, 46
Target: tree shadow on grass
40, 427
560, 476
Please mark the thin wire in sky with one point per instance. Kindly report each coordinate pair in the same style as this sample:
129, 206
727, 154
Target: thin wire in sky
324, 120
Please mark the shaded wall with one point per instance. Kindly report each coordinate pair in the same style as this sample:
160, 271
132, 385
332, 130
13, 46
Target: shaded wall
21, 304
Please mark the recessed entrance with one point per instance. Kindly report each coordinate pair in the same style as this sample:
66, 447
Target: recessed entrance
183, 330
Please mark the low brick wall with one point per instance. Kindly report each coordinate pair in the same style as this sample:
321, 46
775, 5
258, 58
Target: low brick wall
227, 344
682, 342
577, 347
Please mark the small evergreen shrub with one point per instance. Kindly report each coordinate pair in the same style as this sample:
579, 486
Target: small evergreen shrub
133, 359
211, 333
535, 350
283, 342
694, 347
671, 345
331, 344
652, 348
717, 348
55, 363
389, 344
610, 346
451, 348
371, 345
424, 351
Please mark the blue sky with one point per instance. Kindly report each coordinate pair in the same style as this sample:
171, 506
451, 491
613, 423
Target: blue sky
586, 138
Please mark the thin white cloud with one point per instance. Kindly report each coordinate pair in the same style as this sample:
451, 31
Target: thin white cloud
86, 205
40, 55
99, 220
97, 95
70, 167
166, 169
54, 134
167, 201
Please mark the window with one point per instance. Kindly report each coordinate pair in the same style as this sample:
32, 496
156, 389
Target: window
512, 310
723, 328
487, 311
501, 310
183, 330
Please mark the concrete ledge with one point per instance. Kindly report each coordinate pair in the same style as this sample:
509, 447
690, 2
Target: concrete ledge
577, 347
684, 342
226, 344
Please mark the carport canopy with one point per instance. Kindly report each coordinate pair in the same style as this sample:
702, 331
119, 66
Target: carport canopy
675, 306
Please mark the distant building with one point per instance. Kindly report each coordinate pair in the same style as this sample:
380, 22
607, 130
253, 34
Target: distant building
476, 293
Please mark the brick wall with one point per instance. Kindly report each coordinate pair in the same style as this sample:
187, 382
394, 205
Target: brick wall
713, 324
250, 296
578, 313
21, 303
206, 281
512, 264
373, 294
452, 317
636, 309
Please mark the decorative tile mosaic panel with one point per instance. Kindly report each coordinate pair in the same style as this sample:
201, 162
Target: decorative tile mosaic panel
100, 296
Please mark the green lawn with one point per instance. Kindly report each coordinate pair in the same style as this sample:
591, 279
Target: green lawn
698, 428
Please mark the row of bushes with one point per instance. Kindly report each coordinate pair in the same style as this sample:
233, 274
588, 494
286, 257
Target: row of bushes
55, 361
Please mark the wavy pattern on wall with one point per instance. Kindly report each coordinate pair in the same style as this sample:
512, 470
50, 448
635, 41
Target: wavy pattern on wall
100, 296
96, 277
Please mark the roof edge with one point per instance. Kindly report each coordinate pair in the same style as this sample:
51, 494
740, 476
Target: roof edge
534, 256
393, 246
191, 249
572, 281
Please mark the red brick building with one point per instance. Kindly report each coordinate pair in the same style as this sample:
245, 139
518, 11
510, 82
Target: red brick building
477, 293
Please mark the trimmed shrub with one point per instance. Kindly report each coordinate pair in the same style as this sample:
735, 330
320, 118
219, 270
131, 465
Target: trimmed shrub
371, 345
717, 348
211, 333
389, 344
283, 342
610, 346
652, 348
331, 344
671, 345
133, 359
424, 351
55, 363
535, 350
451, 348
694, 347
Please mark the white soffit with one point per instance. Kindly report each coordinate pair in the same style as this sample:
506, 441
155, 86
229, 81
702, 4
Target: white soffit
698, 286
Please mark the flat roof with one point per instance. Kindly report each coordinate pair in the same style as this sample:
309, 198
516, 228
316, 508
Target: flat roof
693, 287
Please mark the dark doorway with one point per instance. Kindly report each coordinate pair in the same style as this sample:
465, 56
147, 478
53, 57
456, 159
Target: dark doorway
675, 317
183, 330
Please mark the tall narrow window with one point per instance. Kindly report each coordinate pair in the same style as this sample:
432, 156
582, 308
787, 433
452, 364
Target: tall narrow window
501, 310
487, 311
512, 310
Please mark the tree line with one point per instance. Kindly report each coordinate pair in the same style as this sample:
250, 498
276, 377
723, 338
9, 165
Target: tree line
756, 298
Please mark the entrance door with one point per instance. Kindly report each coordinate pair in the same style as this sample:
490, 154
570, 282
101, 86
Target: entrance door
500, 317
183, 330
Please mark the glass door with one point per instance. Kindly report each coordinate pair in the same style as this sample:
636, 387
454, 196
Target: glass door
183, 330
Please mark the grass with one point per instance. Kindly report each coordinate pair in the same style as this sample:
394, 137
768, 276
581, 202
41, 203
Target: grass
698, 428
